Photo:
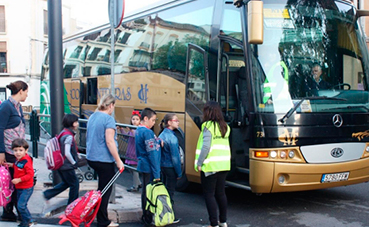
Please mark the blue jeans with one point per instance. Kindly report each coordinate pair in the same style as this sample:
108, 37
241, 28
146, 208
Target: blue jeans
23, 197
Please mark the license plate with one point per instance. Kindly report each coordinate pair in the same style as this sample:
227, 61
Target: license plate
334, 177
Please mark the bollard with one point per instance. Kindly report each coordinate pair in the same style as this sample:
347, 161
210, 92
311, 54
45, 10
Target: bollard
35, 132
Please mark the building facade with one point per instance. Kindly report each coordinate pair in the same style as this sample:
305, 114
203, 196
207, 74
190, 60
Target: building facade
23, 40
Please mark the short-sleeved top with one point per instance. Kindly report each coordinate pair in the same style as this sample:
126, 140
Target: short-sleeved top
97, 149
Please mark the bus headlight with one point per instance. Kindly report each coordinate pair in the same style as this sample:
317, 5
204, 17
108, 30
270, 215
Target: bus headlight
283, 154
273, 154
291, 154
367, 149
281, 179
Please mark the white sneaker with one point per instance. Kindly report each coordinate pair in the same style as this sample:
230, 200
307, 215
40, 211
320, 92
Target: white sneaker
223, 224
113, 224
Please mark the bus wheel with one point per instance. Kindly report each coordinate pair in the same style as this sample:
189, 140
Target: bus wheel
182, 183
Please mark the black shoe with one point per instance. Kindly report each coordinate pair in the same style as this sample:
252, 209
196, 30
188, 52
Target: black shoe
9, 218
133, 189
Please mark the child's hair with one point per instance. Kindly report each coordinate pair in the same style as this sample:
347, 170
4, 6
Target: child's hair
213, 112
19, 142
135, 113
105, 101
164, 122
16, 86
68, 120
147, 112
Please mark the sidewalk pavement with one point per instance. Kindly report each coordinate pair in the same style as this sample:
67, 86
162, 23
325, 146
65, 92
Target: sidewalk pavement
127, 207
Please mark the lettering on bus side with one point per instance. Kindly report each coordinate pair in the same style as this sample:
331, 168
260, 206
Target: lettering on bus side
74, 94
120, 93
142, 93
287, 137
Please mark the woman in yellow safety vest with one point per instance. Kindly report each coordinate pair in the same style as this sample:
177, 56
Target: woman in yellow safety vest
213, 160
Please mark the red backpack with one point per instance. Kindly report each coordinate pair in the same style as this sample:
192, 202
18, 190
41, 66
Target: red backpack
52, 152
6, 186
84, 209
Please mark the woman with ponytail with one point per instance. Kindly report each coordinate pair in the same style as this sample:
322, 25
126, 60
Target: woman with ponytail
102, 152
12, 126
170, 157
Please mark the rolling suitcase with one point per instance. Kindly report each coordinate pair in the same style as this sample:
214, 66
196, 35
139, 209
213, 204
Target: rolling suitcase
84, 209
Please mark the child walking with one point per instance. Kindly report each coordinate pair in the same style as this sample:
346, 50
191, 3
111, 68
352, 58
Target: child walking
67, 170
131, 152
23, 179
170, 156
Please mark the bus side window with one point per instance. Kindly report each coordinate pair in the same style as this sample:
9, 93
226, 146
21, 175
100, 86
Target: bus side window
92, 91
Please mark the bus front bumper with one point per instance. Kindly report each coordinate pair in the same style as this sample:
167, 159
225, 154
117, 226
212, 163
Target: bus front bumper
267, 177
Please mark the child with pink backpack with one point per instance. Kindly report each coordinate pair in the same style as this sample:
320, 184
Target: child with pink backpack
23, 179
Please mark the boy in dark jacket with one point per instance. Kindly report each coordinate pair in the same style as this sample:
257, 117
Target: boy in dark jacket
147, 151
23, 179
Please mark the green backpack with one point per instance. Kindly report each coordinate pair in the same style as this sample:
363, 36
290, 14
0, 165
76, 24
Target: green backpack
158, 206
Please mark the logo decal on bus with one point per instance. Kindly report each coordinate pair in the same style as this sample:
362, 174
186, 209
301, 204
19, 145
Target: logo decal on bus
142, 93
337, 120
288, 138
337, 152
361, 135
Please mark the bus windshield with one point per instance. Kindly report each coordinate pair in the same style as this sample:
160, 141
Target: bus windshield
311, 49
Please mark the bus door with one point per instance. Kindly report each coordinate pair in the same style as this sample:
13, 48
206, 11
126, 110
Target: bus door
232, 97
197, 94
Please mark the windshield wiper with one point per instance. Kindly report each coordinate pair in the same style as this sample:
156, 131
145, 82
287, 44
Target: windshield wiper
293, 109
348, 107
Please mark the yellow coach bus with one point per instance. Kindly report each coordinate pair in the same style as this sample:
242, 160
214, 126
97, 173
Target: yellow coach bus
291, 77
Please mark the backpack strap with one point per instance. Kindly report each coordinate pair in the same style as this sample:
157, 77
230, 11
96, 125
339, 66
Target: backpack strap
93, 215
67, 132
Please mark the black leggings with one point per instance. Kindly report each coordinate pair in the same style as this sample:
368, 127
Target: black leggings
105, 172
213, 187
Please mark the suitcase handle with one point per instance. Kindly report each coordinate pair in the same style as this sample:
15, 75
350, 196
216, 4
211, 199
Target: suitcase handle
111, 182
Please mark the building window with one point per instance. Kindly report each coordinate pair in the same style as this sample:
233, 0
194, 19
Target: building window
2, 19
3, 62
3, 67
46, 27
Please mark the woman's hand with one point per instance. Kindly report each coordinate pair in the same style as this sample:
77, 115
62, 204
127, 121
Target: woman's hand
9, 164
2, 159
120, 165
199, 168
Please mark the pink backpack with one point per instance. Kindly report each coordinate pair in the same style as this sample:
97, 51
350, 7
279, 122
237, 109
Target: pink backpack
52, 152
6, 186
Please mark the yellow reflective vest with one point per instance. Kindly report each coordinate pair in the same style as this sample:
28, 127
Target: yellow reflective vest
219, 156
